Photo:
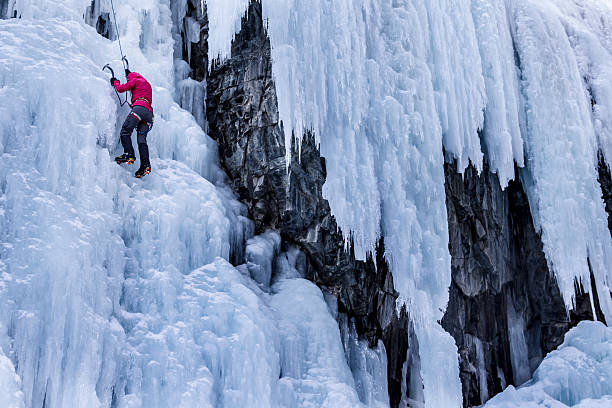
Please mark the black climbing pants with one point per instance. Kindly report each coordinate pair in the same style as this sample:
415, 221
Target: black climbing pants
141, 119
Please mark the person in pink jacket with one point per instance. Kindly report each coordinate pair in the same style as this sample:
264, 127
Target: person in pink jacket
140, 118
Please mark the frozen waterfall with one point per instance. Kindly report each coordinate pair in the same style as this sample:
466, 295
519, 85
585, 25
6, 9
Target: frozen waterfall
116, 292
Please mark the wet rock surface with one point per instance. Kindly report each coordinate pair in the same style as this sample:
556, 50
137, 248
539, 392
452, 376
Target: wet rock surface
502, 290
605, 180
93, 16
3, 8
287, 196
194, 36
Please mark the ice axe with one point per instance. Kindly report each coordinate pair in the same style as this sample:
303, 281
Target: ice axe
107, 66
126, 65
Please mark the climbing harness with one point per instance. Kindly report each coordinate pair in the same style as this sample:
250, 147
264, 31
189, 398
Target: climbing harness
143, 99
124, 60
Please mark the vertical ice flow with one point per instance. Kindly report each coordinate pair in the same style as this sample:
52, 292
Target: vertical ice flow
360, 73
503, 115
224, 19
116, 291
385, 84
561, 147
363, 75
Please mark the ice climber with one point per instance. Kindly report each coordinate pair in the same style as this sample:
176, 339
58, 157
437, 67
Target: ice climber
140, 118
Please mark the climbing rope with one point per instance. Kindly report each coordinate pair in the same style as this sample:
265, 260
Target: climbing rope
118, 36
124, 60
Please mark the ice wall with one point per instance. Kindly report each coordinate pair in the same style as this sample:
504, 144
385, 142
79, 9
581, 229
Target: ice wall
588, 25
77, 229
104, 278
57, 224
504, 113
10, 384
320, 373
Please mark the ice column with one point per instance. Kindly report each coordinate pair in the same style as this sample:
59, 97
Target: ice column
224, 18
503, 143
358, 72
561, 150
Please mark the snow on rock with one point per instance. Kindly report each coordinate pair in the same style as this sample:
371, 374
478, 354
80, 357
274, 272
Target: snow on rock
578, 374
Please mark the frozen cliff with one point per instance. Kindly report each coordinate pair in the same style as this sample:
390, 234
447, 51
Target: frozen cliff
353, 203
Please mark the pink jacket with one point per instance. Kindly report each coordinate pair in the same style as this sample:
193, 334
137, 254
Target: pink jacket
142, 94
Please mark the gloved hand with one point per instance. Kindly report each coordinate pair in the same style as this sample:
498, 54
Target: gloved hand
127, 72
112, 81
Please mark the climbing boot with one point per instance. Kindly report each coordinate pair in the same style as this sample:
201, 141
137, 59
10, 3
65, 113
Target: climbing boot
143, 171
125, 158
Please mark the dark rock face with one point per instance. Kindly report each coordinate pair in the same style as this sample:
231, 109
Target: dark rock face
583, 310
103, 25
6, 12
195, 53
501, 285
3, 8
243, 117
242, 112
605, 180
102, 21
